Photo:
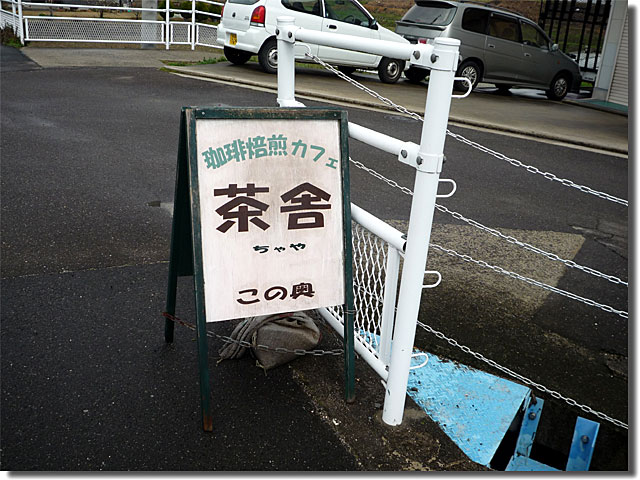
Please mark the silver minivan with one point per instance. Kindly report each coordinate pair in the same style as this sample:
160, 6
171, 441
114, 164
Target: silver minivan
497, 46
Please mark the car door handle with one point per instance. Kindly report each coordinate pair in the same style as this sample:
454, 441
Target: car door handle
333, 27
527, 54
491, 45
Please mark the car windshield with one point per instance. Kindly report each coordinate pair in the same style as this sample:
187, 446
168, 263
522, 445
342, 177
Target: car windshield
430, 13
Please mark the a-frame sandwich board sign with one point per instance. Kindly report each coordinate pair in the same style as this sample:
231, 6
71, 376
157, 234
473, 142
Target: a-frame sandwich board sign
262, 220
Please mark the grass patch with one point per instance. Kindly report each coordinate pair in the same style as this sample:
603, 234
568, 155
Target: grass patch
9, 38
204, 61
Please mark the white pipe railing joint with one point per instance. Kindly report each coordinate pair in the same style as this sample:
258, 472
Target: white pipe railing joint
429, 162
286, 29
441, 55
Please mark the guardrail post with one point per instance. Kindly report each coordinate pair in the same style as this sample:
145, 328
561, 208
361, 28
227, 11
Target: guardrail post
389, 303
20, 22
444, 60
167, 27
285, 34
193, 24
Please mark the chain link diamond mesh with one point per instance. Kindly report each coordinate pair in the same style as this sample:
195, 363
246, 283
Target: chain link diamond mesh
207, 35
92, 29
180, 33
369, 277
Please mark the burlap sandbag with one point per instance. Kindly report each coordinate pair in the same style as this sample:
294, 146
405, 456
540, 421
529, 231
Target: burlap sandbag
292, 331
296, 331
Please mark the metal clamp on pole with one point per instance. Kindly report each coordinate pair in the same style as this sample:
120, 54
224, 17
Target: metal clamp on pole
429, 162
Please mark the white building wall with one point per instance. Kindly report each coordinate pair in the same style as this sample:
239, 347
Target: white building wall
612, 41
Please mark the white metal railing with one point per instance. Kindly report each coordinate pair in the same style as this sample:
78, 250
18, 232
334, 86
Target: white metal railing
377, 250
569, 401
441, 58
164, 27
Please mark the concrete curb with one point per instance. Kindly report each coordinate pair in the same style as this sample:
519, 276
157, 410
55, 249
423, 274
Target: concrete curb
461, 120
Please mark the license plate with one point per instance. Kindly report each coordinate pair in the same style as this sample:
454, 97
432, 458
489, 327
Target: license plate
233, 38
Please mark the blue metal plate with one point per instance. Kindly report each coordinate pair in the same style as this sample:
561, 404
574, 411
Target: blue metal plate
473, 407
520, 463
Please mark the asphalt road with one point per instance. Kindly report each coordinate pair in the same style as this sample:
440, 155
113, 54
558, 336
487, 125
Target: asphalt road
87, 383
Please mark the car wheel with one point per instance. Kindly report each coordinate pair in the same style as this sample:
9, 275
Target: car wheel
503, 89
268, 56
237, 57
559, 87
390, 69
470, 70
347, 70
415, 74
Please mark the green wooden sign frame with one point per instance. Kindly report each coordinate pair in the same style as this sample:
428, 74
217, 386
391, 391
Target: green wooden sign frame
186, 237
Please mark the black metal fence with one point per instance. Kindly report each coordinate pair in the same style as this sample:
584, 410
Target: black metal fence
578, 27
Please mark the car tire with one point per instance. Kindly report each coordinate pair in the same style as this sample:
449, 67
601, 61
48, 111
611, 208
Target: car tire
268, 56
416, 74
559, 87
472, 71
347, 70
390, 70
237, 57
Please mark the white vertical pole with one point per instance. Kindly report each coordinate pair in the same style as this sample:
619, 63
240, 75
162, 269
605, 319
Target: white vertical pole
20, 22
285, 34
13, 17
429, 165
193, 24
389, 303
167, 30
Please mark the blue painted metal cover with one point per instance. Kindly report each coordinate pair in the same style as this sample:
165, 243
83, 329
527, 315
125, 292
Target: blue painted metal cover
520, 463
473, 407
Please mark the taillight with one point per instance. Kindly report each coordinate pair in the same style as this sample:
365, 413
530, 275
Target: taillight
222, 11
422, 40
257, 17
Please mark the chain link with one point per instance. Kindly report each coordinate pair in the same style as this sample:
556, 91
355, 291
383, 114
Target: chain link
544, 286
244, 343
379, 176
477, 146
532, 169
527, 246
525, 380
508, 238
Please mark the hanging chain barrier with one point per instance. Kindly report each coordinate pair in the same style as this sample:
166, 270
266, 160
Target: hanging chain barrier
477, 146
467, 258
492, 231
532, 169
527, 246
525, 380
242, 343
531, 281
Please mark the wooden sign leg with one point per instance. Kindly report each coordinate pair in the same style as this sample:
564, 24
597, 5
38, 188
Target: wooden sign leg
170, 306
349, 355
203, 369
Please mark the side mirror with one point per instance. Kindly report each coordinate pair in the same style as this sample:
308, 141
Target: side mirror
373, 24
554, 47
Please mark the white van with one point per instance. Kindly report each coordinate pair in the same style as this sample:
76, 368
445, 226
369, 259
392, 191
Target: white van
248, 27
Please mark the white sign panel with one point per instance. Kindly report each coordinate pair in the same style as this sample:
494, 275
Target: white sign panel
271, 211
